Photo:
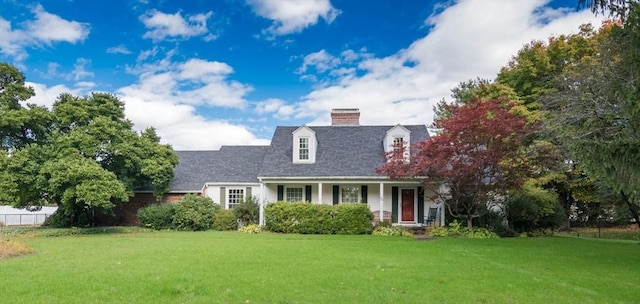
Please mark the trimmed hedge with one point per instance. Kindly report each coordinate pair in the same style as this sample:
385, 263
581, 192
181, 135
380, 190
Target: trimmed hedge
307, 218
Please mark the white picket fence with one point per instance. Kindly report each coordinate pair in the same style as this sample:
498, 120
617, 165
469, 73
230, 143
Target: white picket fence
10, 216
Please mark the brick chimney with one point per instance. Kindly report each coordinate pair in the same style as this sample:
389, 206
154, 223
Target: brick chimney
345, 117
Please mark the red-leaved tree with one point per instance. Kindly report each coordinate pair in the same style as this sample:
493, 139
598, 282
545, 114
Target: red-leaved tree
475, 155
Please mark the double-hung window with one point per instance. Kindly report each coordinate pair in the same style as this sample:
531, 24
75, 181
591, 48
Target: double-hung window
350, 194
303, 148
235, 196
294, 195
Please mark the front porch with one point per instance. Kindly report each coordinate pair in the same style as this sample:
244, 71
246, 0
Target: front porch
402, 203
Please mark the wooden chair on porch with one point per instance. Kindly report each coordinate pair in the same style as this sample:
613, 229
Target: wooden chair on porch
430, 219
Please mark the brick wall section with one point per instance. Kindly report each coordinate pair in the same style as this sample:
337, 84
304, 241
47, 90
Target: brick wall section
125, 213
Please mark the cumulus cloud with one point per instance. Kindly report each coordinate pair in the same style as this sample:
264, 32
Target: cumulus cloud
179, 124
342, 66
196, 81
321, 60
167, 96
276, 107
293, 16
162, 25
467, 39
46, 96
44, 29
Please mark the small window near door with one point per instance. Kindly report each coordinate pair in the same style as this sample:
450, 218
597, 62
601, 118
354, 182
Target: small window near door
235, 197
350, 194
294, 195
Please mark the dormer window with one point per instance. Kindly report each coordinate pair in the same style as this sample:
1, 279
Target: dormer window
396, 143
304, 146
398, 147
303, 151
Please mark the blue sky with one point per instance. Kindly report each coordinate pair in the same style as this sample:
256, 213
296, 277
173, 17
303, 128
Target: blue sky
211, 73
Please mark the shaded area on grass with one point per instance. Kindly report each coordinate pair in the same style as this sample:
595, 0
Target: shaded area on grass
620, 233
55, 232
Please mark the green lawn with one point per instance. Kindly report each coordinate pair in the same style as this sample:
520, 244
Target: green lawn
228, 267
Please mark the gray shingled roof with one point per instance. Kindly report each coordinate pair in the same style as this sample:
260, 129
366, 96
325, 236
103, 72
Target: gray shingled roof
233, 164
191, 171
349, 151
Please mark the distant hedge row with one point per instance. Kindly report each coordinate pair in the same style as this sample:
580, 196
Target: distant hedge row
308, 218
194, 213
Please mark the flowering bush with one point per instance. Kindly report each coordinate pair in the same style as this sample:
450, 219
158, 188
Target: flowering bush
251, 229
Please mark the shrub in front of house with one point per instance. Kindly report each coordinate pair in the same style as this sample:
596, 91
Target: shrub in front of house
225, 220
382, 230
157, 216
456, 230
308, 218
352, 219
533, 210
305, 218
194, 213
250, 229
248, 211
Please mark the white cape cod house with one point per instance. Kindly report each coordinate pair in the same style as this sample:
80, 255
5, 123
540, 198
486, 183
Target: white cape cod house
319, 164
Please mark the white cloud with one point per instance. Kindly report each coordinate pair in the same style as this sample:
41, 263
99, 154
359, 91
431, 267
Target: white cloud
278, 107
45, 28
46, 96
48, 27
468, 39
120, 49
321, 60
179, 125
161, 25
144, 55
293, 16
167, 95
79, 69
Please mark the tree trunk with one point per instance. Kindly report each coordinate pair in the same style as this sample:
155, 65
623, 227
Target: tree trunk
634, 212
566, 201
633, 208
469, 222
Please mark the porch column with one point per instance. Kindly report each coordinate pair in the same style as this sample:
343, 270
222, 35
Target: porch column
261, 211
381, 211
442, 213
320, 193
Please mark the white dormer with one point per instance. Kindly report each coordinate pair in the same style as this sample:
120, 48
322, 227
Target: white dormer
305, 146
397, 138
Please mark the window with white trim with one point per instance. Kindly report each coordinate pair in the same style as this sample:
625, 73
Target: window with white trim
294, 195
303, 148
398, 147
235, 196
350, 194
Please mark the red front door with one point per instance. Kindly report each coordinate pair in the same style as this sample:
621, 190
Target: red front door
407, 205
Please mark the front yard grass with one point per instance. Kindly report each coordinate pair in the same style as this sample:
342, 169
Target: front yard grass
229, 267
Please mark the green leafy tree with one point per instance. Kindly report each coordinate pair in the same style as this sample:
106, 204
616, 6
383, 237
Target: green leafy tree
82, 155
615, 8
533, 208
19, 125
596, 114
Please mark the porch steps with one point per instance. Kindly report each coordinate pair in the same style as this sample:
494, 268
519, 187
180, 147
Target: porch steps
417, 230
